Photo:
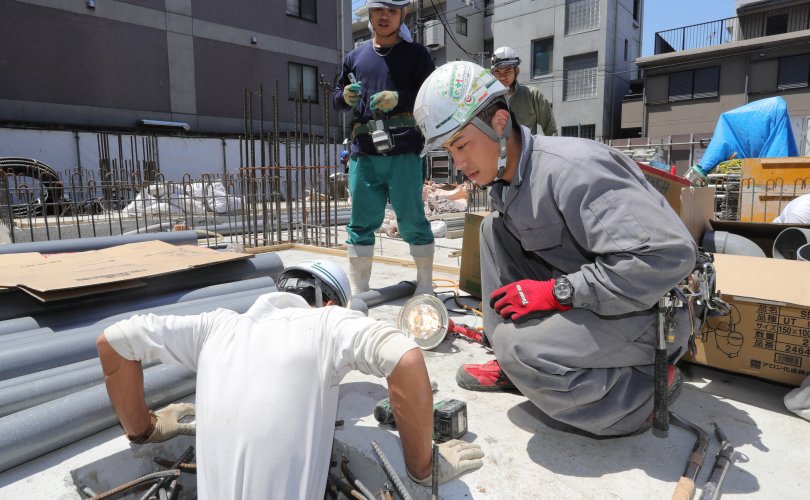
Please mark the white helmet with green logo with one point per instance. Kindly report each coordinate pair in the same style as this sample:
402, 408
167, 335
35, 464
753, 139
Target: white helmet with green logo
387, 4
450, 98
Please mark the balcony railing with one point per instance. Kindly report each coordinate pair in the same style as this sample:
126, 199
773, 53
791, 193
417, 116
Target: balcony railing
733, 29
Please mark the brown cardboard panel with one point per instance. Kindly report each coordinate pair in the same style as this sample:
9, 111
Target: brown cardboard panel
41, 274
767, 334
469, 278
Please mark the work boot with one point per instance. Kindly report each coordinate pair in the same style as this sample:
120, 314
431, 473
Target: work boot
361, 258
487, 377
423, 257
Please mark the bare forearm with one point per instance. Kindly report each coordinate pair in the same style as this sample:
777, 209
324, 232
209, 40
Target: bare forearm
412, 403
124, 381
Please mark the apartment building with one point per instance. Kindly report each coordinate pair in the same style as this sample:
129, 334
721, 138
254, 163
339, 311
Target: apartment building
115, 63
701, 71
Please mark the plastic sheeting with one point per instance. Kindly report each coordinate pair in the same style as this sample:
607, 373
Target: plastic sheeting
760, 129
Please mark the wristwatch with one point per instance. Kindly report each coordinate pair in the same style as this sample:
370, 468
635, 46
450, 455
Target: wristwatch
563, 291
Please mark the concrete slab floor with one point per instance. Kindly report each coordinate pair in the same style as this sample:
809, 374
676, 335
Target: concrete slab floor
527, 456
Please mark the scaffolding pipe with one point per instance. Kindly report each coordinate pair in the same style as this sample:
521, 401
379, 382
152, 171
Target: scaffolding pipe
98, 242
79, 344
18, 304
39, 430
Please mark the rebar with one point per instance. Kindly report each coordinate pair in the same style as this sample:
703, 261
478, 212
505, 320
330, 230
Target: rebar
135, 482
390, 472
183, 457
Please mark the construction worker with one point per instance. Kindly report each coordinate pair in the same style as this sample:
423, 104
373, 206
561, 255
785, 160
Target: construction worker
267, 386
378, 83
574, 258
528, 104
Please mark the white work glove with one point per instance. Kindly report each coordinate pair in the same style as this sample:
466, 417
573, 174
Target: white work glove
385, 101
351, 93
168, 423
455, 458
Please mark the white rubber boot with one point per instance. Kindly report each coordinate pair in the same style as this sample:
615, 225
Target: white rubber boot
361, 258
423, 257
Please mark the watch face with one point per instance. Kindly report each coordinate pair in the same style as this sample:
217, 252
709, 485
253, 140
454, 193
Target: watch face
563, 290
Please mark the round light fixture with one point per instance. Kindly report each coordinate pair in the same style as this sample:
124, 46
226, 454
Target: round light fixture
424, 318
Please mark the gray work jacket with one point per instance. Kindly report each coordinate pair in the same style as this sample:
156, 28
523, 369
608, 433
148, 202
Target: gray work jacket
586, 210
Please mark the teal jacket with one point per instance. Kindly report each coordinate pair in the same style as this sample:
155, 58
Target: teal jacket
532, 110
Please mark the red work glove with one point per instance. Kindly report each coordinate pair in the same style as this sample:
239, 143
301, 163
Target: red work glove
525, 299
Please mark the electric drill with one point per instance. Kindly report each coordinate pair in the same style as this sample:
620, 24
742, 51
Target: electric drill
449, 418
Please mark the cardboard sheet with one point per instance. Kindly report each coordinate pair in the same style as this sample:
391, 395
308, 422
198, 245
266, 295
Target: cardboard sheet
59, 276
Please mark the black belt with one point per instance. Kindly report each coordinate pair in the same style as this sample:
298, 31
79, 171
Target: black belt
404, 120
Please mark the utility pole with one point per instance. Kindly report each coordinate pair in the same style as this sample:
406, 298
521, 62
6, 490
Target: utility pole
420, 28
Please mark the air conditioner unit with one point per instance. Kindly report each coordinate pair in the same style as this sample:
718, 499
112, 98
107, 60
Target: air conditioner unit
434, 34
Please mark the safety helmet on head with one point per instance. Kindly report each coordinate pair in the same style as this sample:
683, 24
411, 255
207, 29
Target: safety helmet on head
504, 56
325, 277
344, 154
387, 4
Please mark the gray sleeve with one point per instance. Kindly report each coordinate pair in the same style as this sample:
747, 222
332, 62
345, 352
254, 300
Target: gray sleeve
640, 246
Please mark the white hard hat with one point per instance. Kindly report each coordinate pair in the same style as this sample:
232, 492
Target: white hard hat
450, 98
504, 56
387, 4
329, 278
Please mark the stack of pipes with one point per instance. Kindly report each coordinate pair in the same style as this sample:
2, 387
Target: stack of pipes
52, 390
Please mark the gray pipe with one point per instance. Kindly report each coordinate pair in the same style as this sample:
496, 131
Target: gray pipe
24, 336
79, 344
17, 324
787, 243
42, 429
30, 394
18, 304
387, 294
359, 305
53, 372
803, 254
729, 243
98, 242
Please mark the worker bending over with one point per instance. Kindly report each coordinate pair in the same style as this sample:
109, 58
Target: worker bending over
529, 107
378, 83
267, 386
574, 258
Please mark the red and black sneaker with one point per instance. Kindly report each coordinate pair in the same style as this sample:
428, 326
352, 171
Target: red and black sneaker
485, 377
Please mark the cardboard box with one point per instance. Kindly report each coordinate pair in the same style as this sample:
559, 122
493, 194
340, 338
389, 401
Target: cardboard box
67, 275
469, 279
767, 334
695, 206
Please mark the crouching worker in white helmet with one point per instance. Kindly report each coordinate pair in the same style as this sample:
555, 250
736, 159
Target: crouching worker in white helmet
267, 386
574, 258
528, 104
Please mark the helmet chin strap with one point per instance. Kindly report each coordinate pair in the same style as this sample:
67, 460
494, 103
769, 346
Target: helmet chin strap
500, 139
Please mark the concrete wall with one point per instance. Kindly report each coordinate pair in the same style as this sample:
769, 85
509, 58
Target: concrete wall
175, 60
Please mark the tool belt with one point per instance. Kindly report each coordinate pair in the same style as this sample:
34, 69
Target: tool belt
402, 120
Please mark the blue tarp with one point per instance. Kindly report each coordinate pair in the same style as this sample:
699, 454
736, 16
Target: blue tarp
760, 129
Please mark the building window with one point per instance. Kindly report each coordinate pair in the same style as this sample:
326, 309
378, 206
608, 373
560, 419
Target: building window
461, 25
584, 131
581, 15
302, 74
793, 72
489, 7
304, 9
694, 84
636, 9
579, 76
776, 25
542, 57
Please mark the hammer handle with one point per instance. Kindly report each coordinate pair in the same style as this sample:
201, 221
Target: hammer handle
685, 489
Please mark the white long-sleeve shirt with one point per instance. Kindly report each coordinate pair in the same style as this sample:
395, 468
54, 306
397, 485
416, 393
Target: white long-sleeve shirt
267, 386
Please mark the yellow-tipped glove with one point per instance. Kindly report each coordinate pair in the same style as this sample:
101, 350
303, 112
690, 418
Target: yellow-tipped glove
385, 101
168, 423
351, 93
455, 458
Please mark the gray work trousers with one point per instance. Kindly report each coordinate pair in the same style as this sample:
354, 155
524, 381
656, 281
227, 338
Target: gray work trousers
591, 372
